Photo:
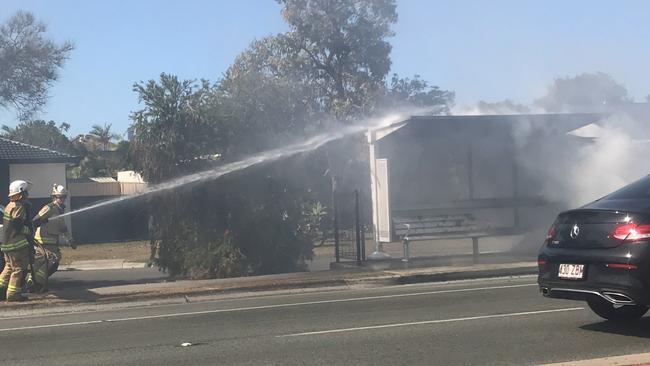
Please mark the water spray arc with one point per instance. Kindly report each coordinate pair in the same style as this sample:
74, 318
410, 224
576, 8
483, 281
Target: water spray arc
310, 144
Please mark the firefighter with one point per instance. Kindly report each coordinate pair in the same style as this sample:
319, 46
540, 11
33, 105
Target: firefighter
17, 236
51, 233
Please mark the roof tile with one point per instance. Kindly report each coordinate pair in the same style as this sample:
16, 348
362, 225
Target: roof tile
14, 150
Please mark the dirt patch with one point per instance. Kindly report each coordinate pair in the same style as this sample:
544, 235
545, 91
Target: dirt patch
134, 251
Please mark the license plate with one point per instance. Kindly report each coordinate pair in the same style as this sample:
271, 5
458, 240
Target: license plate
571, 271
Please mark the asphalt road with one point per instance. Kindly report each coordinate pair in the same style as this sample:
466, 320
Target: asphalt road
489, 322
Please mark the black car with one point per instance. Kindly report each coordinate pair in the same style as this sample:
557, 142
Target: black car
600, 253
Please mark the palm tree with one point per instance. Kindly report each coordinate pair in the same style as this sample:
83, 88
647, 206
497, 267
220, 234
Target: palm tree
104, 134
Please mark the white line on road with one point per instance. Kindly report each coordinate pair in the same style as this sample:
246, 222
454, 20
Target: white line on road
317, 302
170, 315
51, 325
341, 330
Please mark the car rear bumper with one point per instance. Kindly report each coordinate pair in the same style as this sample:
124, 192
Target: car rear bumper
616, 285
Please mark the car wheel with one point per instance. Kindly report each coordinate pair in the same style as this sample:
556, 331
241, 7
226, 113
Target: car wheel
606, 310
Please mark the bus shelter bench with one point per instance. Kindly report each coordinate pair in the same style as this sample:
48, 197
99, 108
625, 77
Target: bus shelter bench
441, 227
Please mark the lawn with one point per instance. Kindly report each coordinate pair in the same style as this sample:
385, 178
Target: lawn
134, 251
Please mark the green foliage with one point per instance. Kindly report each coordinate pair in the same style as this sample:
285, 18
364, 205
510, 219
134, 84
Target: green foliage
341, 46
264, 99
29, 63
330, 66
104, 135
101, 163
174, 128
418, 93
505, 106
582, 92
41, 133
249, 224
93, 163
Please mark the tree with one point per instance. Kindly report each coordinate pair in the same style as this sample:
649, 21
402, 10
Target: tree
243, 224
418, 93
583, 92
341, 46
174, 128
505, 106
29, 63
267, 98
104, 134
102, 163
40, 133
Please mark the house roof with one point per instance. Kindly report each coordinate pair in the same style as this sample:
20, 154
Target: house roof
18, 152
93, 180
424, 126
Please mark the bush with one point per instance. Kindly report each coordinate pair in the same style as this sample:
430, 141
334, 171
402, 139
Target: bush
233, 227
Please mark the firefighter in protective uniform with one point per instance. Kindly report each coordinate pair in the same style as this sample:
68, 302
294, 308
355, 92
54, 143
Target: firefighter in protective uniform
51, 233
16, 245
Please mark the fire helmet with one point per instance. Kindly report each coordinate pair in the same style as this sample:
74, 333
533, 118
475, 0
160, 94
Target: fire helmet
59, 190
19, 186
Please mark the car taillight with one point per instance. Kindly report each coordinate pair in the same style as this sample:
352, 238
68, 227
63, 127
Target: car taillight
551, 233
631, 232
621, 266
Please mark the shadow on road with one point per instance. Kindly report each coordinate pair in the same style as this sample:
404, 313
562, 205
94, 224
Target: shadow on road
639, 328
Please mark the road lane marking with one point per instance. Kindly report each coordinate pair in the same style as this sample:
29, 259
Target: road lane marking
379, 297
437, 321
261, 307
51, 325
246, 297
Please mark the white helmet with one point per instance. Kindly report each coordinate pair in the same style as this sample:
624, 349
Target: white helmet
19, 186
59, 190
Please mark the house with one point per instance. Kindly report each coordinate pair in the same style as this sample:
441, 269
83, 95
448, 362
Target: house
42, 167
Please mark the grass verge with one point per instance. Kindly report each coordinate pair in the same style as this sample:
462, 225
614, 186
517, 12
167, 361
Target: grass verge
133, 251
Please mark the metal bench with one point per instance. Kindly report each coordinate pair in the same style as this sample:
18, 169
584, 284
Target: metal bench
439, 227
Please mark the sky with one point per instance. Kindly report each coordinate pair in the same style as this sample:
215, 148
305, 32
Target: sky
482, 50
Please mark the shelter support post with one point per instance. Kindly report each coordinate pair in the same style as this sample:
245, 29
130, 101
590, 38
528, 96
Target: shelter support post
378, 253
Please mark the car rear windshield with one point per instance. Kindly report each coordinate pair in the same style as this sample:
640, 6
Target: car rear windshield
637, 190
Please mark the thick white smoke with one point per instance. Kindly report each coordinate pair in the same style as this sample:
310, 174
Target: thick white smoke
586, 164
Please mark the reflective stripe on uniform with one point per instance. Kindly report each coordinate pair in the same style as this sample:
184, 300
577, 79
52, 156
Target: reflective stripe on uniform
46, 239
41, 275
6, 216
12, 288
14, 246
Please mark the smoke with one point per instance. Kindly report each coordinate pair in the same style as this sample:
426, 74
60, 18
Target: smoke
576, 167
583, 165
506, 106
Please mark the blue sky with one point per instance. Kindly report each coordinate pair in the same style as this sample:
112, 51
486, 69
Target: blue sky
483, 50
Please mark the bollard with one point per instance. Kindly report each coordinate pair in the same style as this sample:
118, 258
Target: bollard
407, 254
405, 242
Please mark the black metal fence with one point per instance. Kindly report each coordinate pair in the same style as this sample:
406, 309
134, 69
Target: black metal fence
349, 226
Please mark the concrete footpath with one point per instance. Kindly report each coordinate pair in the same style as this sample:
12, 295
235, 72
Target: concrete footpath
101, 264
86, 289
